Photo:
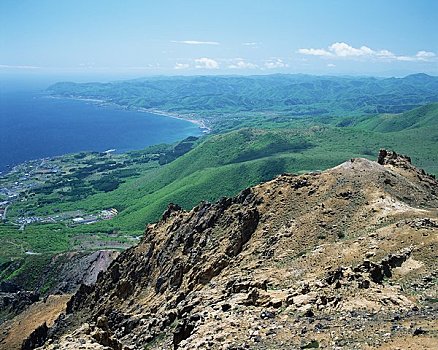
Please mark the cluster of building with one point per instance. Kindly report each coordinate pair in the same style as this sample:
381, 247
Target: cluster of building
33, 219
77, 219
22, 178
29, 175
105, 214
108, 214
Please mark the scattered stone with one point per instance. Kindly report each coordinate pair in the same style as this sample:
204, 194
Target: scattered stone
251, 269
264, 315
276, 303
419, 331
225, 307
312, 344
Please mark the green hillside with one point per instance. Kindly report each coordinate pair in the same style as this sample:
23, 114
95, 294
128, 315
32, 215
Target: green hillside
422, 117
225, 164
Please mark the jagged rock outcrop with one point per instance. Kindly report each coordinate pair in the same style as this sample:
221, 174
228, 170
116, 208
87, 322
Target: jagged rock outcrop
345, 258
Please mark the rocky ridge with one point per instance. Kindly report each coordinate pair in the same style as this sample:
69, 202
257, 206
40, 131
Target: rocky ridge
345, 258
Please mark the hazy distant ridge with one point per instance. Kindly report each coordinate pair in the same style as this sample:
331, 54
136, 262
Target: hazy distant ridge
293, 95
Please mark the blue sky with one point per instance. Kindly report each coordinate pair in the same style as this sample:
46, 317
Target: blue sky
139, 38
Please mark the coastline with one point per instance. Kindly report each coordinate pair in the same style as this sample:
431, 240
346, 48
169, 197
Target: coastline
7, 168
199, 122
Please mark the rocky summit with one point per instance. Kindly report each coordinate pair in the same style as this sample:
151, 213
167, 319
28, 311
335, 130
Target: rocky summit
340, 259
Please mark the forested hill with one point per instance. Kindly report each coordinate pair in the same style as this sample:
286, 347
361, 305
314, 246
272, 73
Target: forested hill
223, 97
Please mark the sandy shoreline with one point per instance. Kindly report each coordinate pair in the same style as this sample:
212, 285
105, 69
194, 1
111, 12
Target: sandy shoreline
199, 122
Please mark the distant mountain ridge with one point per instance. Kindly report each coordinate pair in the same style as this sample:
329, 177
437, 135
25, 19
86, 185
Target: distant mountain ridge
224, 101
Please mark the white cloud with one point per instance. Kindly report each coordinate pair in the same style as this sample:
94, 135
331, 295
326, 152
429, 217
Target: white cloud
206, 63
6, 66
405, 58
180, 66
240, 63
385, 54
331, 65
425, 55
314, 52
275, 63
195, 42
343, 50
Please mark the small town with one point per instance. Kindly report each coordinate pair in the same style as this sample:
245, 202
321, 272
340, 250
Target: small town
70, 218
20, 183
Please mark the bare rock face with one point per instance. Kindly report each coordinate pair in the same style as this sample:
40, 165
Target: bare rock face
391, 157
345, 258
75, 268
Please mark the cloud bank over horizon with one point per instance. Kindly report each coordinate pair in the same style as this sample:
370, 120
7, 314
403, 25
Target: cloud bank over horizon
344, 50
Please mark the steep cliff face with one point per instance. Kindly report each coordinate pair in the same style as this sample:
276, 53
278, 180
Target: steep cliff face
60, 273
69, 270
346, 257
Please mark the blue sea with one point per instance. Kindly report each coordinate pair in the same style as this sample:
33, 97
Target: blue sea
33, 126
